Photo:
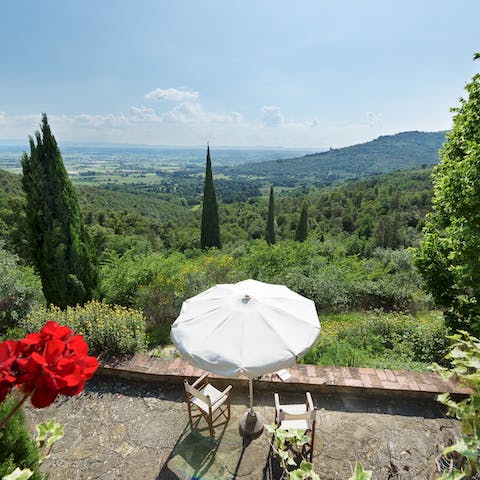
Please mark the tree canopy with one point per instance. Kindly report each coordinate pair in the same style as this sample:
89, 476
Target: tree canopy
449, 256
58, 244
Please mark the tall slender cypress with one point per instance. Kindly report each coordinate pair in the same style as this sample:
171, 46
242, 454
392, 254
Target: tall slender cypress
270, 230
210, 230
58, 243
302, 228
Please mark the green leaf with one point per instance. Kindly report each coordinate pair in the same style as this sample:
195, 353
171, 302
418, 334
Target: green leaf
283, 454
361, 474
270, 428
467, 448
306, 466
297, 475
18, 474
48, 433
457, 353
452, 475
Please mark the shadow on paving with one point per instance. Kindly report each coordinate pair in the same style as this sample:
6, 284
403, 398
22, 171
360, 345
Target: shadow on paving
352, 401
226, 456
392, 403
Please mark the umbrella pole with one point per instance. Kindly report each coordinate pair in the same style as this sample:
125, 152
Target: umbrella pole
251, 422
250, 387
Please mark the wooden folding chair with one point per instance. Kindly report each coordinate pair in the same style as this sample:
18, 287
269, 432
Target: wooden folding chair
299, 417
208, 400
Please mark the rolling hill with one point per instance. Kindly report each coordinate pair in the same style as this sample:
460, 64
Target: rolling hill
385, 154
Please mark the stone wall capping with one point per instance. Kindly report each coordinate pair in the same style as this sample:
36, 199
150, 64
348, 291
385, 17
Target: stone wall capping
362, 381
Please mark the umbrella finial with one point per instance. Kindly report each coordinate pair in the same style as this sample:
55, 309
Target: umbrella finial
246, 298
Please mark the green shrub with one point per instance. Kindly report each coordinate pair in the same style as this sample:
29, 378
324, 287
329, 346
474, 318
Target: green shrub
107, 329
381, 340
20, 290
177, 279
122, 276
16, 447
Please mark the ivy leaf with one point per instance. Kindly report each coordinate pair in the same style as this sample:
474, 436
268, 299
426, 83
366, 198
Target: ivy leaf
468, 449
297, 475
457, 353
270, 428
452, 475
48, 433
305, 466
18, 474
360, 474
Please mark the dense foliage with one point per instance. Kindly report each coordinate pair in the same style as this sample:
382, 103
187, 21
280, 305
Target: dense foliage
381, 340
57, 240
385, 211
16, 447
323, 271
449, 256
107, 329
20, 290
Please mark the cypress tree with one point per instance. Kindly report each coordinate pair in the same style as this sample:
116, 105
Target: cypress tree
302, 229
58, 243
210, 230
270, 230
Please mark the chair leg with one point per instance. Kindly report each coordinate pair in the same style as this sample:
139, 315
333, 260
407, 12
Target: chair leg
312, 442
189, 408
210, 426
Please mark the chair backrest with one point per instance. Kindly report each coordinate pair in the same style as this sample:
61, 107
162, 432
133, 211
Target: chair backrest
308, 415
197, 393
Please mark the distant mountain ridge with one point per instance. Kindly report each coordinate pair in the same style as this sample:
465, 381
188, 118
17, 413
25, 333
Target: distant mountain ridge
402, 151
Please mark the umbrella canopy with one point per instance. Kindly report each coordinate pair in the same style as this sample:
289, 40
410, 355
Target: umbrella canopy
249, 328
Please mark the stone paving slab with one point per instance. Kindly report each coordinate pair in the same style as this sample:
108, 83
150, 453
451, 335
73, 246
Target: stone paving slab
117, 430
309, 376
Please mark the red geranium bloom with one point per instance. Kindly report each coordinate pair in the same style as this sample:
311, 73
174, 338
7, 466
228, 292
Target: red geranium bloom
52, 362
7, 357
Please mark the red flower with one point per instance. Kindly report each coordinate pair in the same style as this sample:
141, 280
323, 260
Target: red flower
53, 362
7, 357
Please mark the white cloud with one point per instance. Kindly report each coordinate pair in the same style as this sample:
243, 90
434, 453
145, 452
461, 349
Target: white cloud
272, 116
191, 123
143, 114
172, 94
189, 112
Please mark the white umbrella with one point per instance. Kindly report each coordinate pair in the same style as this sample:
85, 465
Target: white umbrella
248, 328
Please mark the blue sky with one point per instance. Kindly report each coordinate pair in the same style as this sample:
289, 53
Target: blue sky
252, 72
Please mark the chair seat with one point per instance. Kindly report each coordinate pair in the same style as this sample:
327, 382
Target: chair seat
298, 416
301, 423
214, 395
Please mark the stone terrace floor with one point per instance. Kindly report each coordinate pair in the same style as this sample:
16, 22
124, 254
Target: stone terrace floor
121, 429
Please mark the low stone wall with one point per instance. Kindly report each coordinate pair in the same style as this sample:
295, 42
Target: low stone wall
359, 381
